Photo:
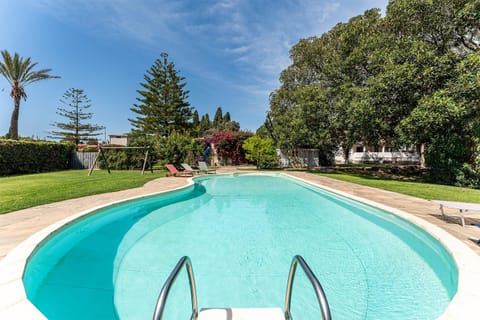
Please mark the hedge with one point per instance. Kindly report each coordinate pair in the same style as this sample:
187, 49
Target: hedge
20, 157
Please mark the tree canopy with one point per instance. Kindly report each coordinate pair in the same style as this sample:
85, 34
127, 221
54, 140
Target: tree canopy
410, 77
76, 130
19, 73
163, 107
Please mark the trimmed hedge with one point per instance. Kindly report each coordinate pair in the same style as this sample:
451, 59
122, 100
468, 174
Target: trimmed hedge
20, 157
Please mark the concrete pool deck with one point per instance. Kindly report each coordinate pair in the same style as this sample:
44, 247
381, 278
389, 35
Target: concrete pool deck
17, 226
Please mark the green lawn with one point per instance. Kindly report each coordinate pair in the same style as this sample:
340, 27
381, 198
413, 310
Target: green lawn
20, 192
25, 191
417, 189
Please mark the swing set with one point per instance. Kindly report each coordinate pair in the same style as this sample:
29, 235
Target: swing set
101, 153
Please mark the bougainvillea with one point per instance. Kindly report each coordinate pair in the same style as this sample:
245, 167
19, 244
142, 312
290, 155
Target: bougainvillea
228, 144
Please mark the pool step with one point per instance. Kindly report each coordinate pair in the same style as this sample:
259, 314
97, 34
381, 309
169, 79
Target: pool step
241, 314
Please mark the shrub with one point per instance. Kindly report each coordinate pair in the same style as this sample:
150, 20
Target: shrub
21, 157
177, 149
261, 151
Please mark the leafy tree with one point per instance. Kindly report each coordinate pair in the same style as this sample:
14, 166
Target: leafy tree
447, 122
177, 148
163, 106
19, 73
75, 129
443, 24
261, 151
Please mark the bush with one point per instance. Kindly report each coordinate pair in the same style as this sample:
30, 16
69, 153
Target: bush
261, 151
445, 157
128, 159
177, 149
21, 157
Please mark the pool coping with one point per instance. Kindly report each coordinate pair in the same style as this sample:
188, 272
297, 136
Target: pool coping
14, 303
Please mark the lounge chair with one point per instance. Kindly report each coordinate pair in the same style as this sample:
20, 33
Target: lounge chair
204, 168
187, 167
174, 172
463, 207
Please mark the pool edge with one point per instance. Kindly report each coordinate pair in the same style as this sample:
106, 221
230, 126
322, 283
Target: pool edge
15, 305
13, 298
463, 305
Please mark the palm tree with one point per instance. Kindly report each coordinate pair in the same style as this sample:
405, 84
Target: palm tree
19, 73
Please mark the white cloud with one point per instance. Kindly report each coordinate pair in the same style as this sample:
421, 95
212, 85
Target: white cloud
249, 35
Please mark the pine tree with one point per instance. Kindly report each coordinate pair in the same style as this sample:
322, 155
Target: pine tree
195, 119
205, 124
218, 118
163, 106
226, 117
75, 130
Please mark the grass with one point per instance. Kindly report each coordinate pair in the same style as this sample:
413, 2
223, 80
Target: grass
417, 189
25, 191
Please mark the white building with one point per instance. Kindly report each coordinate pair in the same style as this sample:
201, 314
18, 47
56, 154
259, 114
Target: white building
119, 139
379, 154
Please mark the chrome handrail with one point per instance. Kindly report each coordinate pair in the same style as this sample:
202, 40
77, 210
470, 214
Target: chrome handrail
162, 297
322, 299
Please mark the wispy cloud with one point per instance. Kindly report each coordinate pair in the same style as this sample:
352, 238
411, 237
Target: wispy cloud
246, 36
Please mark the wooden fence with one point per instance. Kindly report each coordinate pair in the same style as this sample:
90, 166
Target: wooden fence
83, 160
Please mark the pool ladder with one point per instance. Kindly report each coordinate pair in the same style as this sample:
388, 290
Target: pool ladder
227, 313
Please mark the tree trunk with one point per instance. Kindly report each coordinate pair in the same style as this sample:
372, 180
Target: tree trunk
422, 156
13, 131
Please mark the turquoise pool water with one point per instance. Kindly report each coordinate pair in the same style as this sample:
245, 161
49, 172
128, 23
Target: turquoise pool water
241, 232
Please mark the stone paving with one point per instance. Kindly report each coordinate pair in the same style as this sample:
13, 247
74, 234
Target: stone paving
19, 225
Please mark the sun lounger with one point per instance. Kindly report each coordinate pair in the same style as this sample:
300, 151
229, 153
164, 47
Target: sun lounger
173, 171
461, 206
188, 168
204, 168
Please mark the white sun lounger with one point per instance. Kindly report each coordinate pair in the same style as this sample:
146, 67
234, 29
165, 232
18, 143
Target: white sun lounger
461, 206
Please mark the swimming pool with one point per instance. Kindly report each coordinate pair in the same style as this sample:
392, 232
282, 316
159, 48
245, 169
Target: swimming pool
241, 232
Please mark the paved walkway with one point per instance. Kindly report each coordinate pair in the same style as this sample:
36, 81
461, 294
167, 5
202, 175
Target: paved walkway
18, 226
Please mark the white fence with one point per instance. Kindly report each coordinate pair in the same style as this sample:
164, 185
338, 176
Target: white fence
305, 158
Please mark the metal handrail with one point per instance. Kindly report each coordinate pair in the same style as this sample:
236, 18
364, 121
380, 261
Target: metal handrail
162, 298
322, 299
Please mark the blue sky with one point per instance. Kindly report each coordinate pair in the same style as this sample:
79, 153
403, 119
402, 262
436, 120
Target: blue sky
231, 52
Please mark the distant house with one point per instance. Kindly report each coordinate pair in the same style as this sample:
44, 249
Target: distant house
359, 153
382, 153
119, 139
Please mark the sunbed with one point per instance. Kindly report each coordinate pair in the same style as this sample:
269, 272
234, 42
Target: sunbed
461, 206
173, 171
204, 168
187, 167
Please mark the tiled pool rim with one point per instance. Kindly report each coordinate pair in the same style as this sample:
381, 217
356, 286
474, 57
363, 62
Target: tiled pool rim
14, 304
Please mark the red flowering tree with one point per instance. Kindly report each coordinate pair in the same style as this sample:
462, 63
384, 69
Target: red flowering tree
229, 144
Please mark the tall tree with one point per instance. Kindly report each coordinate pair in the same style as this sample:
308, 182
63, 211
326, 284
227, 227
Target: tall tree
19, 73
75, 103
218, 118
205, 124
226, 117
163, 107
